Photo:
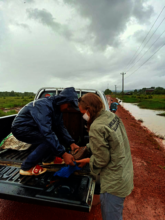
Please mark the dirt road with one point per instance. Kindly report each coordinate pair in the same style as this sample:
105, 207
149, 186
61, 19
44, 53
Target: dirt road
146, 202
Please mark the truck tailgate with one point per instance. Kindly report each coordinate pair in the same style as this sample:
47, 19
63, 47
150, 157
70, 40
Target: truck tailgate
75, 192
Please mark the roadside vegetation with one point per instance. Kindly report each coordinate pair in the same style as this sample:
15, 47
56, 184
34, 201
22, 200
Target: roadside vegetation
11, 102
12, 112
156, 102
144, 98
145, 101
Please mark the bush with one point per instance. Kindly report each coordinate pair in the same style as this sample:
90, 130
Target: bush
143, 97
12, 112
2, 113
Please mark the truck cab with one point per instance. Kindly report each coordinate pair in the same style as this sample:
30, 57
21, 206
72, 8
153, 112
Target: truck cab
75, 192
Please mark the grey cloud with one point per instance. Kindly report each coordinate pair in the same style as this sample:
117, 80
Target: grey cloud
3, 29
156, 44
160, 67
29, 1
152, 42
140, 35
146, 49
43, 16
47, 19
22, 25
42, 59
143, 82
108, 19
23, 1
142, 13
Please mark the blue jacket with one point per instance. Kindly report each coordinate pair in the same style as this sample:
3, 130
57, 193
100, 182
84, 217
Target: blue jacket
113, 106
43, 115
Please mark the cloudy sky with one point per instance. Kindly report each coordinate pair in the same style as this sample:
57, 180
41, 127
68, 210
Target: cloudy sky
81, 43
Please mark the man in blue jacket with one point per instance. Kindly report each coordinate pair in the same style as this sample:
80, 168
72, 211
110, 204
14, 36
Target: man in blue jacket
36, 123
113, 106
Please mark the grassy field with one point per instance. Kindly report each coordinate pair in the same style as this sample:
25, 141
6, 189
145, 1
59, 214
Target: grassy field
11, 112
13, 102
155, 102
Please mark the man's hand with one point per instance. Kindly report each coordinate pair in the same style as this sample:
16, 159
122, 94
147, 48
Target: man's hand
68, 159
74, 147
83, 162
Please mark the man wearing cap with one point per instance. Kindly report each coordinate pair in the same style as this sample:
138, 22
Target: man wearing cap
40, 122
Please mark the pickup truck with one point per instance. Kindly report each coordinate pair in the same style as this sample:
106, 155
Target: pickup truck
75, 192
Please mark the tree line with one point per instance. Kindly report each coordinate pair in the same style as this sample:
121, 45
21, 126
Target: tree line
16, 94
155, 90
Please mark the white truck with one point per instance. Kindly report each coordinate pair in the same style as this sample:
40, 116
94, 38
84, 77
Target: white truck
75, 192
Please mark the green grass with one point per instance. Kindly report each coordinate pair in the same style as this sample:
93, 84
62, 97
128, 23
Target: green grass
152, 104
12, 112
11, 102
155, 102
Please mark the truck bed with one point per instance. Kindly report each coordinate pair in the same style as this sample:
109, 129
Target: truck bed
68, 193
75, 192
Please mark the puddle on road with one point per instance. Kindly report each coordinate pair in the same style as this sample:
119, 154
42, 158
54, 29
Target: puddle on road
151, 120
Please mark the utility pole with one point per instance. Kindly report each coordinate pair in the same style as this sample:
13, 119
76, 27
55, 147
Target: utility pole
122, 84
115, 90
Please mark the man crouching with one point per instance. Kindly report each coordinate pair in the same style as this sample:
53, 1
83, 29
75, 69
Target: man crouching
34, 124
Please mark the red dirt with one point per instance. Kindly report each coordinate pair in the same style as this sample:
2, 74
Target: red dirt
146, 202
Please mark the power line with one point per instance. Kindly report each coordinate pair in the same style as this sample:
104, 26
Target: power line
149, 48
146, 60
132, 59
146, 43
